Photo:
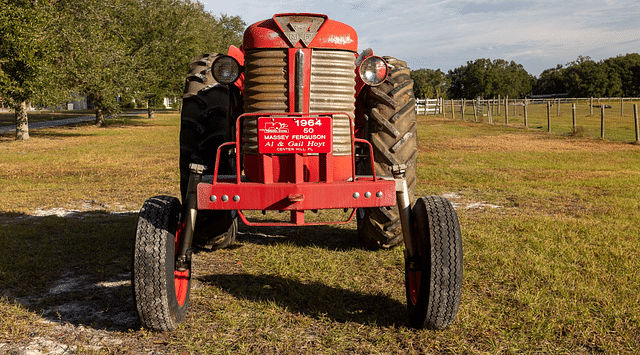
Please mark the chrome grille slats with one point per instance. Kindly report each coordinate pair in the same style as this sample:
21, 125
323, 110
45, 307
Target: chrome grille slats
266, 81
265, 90
333, 90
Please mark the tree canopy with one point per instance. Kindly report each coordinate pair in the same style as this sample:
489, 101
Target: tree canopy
613, 77
104, 49
429, 83
26, 46
487, 78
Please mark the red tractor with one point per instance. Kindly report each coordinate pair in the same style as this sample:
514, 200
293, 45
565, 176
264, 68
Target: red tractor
293, 121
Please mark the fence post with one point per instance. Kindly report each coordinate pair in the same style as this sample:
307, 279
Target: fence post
591, 107
475, 110
635, 118
524, 105
548, 116
462, 107
573, 115
557, 107
621, 107
489, 109
506, 110
602, 121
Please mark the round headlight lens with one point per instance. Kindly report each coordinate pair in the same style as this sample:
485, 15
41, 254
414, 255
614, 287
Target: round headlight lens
225, 70
374, 70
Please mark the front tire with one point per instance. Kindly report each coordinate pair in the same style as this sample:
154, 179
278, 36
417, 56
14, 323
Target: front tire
160, 291
434, 281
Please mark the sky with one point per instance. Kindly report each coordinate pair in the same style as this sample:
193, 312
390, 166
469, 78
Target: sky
446, 34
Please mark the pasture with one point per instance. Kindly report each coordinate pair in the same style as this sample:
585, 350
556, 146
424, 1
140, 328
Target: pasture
550, 229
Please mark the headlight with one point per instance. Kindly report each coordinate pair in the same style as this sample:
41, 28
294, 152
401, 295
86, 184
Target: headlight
225, 70
373, 70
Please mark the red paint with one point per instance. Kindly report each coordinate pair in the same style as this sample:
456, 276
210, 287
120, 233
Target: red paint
330, 35
180, 278
286, 196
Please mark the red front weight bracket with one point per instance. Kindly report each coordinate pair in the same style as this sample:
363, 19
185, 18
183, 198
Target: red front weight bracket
236, 193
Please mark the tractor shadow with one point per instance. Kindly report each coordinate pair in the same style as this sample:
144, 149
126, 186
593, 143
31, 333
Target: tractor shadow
75, 269
329, 237
71, 269
315, 300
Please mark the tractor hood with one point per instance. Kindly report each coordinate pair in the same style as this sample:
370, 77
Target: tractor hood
300, 31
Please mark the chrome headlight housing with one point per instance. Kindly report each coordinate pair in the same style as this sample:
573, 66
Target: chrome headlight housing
373, 70
225, 69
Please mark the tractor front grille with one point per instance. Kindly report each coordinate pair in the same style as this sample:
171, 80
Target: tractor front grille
332, 90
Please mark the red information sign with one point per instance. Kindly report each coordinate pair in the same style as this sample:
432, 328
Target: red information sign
294, 135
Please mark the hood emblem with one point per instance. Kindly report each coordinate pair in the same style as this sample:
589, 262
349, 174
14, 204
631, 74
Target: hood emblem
300, 33
299, 28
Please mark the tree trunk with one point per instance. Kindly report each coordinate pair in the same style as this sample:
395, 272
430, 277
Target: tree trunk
151, 112
22, 122
99, 118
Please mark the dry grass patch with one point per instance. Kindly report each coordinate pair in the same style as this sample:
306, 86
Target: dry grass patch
553, 269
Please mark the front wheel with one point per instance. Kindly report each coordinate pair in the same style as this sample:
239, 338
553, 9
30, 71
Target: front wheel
160, 291
433, 281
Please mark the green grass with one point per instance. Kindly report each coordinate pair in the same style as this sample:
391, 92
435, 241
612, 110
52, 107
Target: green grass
619, 126
552, 270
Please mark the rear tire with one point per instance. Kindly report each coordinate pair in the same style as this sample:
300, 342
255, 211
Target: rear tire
391, 128
207, 121
161, 293
434, 281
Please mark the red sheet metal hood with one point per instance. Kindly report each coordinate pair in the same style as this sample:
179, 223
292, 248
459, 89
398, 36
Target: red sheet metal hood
300, 31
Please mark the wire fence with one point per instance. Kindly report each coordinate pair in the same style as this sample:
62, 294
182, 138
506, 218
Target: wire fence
605, 118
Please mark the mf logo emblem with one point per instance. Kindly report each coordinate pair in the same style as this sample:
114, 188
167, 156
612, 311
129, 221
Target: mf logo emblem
299, 28
300, 33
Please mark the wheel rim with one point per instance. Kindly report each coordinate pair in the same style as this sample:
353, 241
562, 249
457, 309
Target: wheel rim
181, 278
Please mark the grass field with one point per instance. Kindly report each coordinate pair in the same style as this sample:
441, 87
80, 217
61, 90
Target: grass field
619, 121
550, 228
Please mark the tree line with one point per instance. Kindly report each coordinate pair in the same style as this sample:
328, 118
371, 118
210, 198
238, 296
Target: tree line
136, 49
613, 77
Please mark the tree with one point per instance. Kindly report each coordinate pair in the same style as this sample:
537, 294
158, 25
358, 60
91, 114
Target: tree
627, 70
25, 49
429, 83
168, 35
486, 78
551, 81
586, 78
94, 54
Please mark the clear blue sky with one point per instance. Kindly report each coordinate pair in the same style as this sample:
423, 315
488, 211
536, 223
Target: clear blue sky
446, 34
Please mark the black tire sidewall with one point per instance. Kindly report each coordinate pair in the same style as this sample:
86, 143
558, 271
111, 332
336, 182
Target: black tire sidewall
437, 230
153, 265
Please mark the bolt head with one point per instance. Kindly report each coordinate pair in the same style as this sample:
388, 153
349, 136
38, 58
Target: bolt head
356, 195
367, 194
379, 194
225, 198
236, 198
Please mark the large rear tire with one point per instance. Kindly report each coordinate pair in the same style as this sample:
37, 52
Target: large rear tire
161, 292
391, 128
207, 121
434, 280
